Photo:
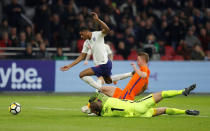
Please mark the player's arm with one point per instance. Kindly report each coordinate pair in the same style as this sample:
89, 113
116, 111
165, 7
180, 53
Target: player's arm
79, 58
140, 73
105, 28
110, 56
87, 57
109, 52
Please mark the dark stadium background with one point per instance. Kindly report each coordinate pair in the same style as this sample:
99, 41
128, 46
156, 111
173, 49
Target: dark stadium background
37, 37
166, 29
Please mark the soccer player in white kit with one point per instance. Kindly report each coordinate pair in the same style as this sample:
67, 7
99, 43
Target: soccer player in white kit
110, 57
108, 50
94, 41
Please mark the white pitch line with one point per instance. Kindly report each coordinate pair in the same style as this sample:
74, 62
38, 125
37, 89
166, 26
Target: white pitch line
59, 109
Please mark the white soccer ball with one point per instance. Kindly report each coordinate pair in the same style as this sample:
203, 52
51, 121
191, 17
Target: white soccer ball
86, 109
15, 108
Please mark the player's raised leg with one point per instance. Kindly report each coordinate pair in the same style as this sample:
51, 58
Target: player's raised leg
86, 76
118, 77
171, 93
108, 90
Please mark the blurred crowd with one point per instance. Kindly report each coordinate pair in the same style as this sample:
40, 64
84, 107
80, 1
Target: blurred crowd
166, 29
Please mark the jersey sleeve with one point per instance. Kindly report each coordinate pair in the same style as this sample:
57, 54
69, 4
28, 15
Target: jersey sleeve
85, 47
100, 34
108, 49
145, 69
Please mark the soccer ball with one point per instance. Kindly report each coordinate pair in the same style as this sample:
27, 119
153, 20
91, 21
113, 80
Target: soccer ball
86, 109
15, 108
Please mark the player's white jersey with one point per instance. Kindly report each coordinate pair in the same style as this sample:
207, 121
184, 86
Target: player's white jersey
97, 47
108, 50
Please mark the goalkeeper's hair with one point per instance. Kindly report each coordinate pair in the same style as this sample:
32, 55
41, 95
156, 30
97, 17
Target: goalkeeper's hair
96, 107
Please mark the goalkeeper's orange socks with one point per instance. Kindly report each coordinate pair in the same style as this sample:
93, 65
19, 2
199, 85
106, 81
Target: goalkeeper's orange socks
174, 111
171, 93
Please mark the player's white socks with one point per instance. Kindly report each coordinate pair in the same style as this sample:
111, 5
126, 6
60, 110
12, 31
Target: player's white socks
91, 82
121, 76
99, 83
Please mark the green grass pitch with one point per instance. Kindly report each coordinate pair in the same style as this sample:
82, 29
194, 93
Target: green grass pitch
61, 112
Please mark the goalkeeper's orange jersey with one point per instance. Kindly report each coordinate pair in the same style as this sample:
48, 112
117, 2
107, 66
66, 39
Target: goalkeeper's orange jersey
135, 86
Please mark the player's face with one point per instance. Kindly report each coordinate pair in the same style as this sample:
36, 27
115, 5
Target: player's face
84, 35
139, 60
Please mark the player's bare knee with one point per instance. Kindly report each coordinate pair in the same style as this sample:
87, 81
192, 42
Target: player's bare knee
81, 75
160, 111
108, 81
163, 109
157, 96
103, 89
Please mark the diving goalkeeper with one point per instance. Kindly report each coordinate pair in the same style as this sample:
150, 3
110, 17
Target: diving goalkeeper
103, 105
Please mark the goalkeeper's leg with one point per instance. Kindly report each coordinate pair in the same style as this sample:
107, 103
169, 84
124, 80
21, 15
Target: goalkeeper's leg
171, 93
174, 111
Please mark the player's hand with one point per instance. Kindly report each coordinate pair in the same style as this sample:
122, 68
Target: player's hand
134, 65
95, 16
86, 62
64, 68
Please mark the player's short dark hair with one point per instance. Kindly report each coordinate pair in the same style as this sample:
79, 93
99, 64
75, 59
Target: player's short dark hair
84, 29
144, 55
